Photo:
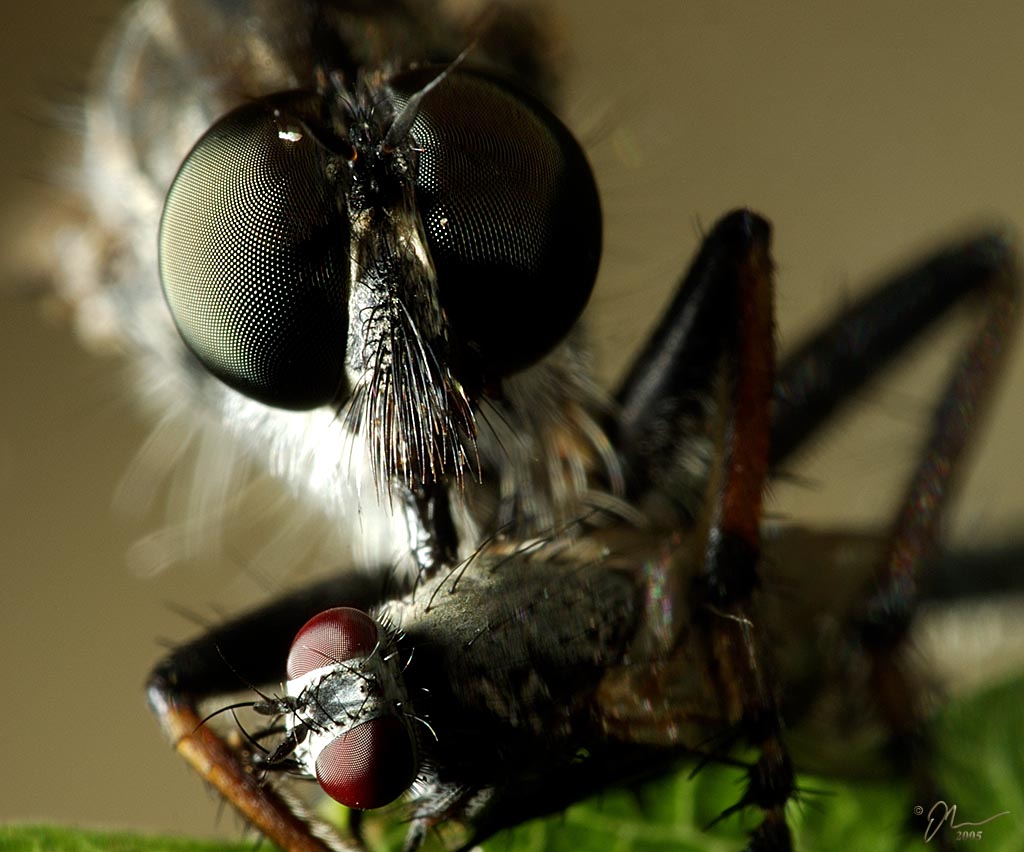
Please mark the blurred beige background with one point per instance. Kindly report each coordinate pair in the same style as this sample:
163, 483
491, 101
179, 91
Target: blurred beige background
866, 134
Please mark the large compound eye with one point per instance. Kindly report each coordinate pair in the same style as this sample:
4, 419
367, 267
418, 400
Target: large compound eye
370, 764
254, 256
332, 636
511, 213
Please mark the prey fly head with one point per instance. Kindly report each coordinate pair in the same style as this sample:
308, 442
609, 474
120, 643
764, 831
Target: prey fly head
347, 720
394, 250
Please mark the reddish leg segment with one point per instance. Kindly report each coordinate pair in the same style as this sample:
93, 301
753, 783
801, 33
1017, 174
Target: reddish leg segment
722, 601
233, 656
916, 533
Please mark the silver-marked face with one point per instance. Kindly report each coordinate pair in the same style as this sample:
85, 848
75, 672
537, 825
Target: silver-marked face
352, 721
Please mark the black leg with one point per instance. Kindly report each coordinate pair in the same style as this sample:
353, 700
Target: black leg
660, 399
705, 384
827, 369
722, 595
883, 623
670, 409
956, 575
666, 401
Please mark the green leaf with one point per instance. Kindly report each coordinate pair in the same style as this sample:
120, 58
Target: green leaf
980, 761
40, 838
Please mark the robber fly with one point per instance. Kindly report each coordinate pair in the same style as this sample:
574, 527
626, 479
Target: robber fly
361, 246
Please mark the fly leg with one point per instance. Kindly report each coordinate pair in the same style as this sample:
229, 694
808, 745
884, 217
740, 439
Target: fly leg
722, 593
695, 428
882, 626
668, 401
824, 373
245, 651
827, 369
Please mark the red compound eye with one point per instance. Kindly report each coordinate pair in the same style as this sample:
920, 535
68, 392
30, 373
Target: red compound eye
368, 766
332, 636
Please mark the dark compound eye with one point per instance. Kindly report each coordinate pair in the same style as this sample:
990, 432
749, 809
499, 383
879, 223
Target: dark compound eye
254, 240
254, 256
511, 212
332, 636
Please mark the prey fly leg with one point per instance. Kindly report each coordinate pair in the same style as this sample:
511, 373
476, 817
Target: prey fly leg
246, 651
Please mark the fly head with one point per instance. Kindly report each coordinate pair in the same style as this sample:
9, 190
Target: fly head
350, 723
394, 250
